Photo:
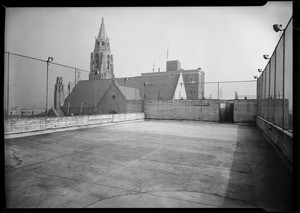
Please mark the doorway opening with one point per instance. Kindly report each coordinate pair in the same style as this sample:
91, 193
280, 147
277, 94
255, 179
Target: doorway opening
226, 112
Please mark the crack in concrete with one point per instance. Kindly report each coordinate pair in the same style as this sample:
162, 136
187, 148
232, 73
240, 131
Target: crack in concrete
132, 162
57, 176
16, 158
239, 142
150, 193
50, 159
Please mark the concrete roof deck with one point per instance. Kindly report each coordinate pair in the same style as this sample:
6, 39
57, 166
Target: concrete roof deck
147, 164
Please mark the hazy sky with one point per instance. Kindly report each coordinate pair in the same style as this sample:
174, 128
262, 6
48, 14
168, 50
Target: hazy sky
226, 42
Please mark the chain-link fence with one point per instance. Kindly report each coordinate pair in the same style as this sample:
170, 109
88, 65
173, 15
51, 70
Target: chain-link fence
29, 84
224, 90
274, 86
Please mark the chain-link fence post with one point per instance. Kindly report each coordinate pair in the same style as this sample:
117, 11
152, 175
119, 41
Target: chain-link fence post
218, 89
283, 84
7, 104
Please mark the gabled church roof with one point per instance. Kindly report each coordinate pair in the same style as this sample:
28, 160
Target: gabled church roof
102, 32
88, 92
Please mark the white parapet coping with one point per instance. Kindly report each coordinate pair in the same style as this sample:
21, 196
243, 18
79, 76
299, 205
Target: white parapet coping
29, 127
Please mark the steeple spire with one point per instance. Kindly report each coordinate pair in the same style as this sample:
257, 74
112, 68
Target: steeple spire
102, 32
102, 65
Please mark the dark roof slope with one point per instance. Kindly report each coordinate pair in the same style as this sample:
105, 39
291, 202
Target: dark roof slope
129, 92
162, 87
88, 92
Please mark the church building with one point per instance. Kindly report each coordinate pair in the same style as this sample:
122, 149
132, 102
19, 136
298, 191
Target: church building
103, 93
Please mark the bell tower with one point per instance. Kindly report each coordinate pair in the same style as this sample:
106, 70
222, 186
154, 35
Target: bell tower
101, 66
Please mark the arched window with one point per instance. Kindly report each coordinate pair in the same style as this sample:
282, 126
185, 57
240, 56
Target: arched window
97, 60
97, 43
108, 57
108, 65
103, 43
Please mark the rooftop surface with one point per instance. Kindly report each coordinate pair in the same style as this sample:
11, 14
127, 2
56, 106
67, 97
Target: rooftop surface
147, 164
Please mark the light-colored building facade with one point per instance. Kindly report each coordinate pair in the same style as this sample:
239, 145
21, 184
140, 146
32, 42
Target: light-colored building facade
193, 79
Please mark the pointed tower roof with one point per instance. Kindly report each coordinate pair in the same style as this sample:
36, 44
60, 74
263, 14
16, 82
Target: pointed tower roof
102, 32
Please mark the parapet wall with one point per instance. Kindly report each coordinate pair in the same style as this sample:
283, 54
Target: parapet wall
203, 110
14, 126
281, 139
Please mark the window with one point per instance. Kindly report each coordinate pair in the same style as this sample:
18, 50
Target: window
113, 97
97, 60
97, 43
103, 43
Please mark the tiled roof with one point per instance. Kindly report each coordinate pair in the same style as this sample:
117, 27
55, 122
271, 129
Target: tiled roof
162, 87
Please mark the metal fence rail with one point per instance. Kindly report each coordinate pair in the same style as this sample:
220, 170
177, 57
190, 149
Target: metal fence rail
29, 83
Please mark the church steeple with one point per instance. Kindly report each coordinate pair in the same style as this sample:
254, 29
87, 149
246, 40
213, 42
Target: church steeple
101, 59
102, 32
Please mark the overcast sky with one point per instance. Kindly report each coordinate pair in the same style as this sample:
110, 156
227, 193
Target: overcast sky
226, 42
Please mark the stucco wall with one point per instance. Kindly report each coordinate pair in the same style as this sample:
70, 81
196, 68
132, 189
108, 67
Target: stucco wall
13, 126
205, 110
135, 106
245, 110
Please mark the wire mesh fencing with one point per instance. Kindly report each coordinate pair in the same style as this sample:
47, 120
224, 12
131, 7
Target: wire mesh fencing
32, 86
224, 90
274, 87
